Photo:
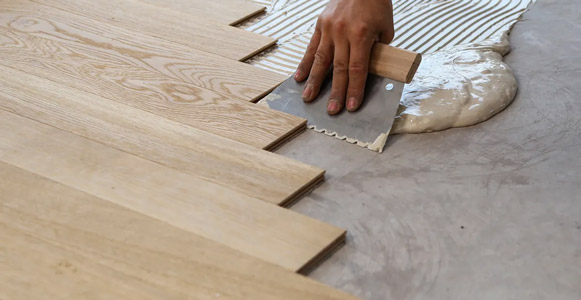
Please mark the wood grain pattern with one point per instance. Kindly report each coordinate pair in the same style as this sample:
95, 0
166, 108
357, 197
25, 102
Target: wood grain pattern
214, 212
94, 249
142, 72
224, 11
59, 131
394, 63
245, 169
196, 32
230, 78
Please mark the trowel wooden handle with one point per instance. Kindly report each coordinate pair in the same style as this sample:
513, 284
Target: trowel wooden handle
394, 63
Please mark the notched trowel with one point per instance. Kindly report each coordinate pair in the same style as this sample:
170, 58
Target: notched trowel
390, 68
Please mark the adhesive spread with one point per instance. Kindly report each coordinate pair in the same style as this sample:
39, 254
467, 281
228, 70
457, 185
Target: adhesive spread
462, 79
457, 86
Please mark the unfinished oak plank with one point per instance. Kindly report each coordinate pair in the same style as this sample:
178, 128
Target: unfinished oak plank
274, 234
197, 32
129, 70
224, 11
230, 78
245, 169
61, 243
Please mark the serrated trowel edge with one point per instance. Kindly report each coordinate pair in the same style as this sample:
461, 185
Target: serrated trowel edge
376, 146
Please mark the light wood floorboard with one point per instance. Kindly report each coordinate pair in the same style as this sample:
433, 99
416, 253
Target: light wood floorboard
62, 243
245, 169
195, 32
230, 78
145, 73
224, 11
271, 233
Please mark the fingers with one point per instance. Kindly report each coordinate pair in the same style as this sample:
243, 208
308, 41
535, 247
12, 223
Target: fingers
350, 59
304, 67
321, 63
358, 68
387, 36
387, 32
340, 78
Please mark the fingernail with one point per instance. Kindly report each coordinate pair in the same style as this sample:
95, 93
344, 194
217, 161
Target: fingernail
351, 103
332, 106
307, 92
297, 74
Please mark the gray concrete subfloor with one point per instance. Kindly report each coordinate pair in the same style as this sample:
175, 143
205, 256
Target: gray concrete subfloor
491, 211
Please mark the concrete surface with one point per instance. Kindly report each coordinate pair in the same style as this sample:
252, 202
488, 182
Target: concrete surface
492, 211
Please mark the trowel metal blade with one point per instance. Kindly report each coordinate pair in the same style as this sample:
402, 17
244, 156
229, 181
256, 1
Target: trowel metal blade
374, 117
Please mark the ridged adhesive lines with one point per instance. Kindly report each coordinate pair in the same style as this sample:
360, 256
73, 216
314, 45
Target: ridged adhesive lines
420, 25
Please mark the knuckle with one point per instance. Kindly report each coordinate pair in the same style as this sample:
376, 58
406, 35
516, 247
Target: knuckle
357, 68
323, 21
311, 48
313, 44
322, 59
340, 25
315, 78
302, 66
361, 31
339, 68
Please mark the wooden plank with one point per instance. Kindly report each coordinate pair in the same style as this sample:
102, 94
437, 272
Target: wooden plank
224, 11
129, 70
245, 169
230, 78
271, 233
197, 32
61, 243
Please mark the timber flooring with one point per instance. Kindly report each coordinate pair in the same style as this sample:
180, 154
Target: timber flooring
217, 213
194, 31
192, 88
264, 175
225, 11
223, 76
134, 163
100, 250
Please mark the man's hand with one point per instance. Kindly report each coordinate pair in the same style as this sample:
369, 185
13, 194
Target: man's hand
343, 37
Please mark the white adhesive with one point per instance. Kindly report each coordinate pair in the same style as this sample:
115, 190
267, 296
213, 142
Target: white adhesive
462, 80
376, 145
457, 86
420, 25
